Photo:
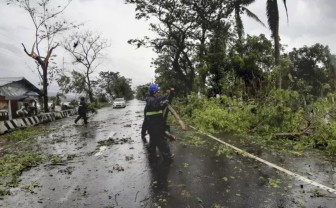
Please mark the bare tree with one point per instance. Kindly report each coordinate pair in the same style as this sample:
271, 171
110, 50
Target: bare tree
86, 48
47, 25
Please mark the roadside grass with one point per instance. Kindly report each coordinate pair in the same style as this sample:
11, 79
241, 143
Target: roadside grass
19, 152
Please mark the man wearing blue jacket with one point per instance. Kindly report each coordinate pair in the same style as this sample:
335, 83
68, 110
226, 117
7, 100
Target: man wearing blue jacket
156, 124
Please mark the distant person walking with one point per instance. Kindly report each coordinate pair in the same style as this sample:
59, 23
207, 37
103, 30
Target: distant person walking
82, 108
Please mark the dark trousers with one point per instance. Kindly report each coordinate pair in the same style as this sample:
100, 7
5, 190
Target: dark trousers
144, 127
157, 140
82, 116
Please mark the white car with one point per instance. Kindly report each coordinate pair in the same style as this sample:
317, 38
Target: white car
119, 103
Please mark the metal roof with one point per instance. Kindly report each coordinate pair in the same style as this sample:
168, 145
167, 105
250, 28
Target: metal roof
7, 80
17, 88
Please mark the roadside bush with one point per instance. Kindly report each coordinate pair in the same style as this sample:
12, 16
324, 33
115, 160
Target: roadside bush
331, 148
279, 112
220, 115
324, 114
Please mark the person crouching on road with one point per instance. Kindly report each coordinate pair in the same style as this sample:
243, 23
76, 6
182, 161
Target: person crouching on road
82, 108
156, 124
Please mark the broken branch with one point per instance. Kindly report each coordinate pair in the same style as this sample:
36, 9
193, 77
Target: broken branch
183, 126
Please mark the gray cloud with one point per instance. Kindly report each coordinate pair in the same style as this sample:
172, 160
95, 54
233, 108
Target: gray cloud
310, 22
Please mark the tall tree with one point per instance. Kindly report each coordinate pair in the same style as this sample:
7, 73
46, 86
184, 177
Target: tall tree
141, 92
240, 7
217, 57
210, 15
74, 83
183, 29
86, 49
254, 65
312, 71
174, 35
48, 25
115, 85
272, 12
106, 82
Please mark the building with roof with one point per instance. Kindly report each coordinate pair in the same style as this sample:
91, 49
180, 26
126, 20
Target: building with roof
15, 92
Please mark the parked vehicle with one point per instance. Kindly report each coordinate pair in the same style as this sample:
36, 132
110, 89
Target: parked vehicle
119, 103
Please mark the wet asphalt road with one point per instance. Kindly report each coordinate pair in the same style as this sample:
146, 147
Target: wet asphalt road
105, 164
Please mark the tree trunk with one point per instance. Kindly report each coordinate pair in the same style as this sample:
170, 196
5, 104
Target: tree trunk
45, 89
89, 86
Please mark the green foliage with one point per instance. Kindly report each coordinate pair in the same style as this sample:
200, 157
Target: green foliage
223, 150
331, 148
115, 85
11, 166
275, 183
279, 112
31, 186
24, 134
55, 159
74, 83
141, 92
193, 140
220, 115
20, 153
313, 71
323, 114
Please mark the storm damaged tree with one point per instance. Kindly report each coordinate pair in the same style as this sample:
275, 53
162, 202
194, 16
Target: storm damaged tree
86, 49
183, 33
48, 25
174, 32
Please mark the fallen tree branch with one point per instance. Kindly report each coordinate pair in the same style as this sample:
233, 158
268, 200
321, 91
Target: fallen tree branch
293, 136
183, 126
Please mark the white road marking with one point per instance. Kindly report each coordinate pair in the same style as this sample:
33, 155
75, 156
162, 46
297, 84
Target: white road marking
288, 172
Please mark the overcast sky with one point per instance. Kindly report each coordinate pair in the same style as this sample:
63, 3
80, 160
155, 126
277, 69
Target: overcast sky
310, 22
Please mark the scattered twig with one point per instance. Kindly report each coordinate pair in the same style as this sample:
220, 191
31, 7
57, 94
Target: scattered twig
115, 198
145, 199
333, 197
305, 131
51, 164
136, 195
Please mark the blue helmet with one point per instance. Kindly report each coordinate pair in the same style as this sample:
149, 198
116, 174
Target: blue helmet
153, 88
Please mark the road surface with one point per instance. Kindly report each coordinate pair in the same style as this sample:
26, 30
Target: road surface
105, 165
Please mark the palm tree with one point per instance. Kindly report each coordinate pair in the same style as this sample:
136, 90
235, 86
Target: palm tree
240, 8
272, 13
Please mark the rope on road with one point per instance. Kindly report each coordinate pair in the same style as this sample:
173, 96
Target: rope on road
295, 175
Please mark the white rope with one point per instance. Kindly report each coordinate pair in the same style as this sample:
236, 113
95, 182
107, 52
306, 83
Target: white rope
288, 172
